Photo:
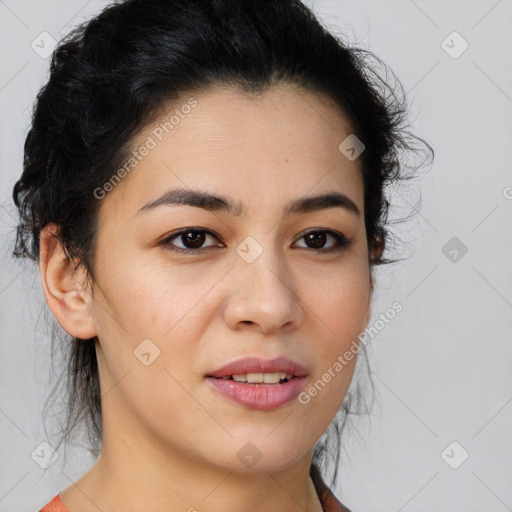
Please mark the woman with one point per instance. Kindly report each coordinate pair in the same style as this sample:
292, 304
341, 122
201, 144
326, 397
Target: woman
204, 189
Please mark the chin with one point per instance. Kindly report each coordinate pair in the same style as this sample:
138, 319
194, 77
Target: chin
261, 454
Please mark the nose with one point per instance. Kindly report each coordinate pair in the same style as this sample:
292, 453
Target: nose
263, 295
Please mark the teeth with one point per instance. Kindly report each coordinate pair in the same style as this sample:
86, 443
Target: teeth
271, 378
260, 378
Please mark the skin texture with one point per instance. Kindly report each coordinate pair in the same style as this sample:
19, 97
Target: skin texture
170, 442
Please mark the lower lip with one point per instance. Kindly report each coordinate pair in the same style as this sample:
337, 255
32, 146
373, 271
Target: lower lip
259, 396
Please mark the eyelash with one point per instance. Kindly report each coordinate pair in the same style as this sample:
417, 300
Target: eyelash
341, 241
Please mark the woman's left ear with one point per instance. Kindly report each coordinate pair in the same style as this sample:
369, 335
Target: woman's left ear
377, 250
64, 287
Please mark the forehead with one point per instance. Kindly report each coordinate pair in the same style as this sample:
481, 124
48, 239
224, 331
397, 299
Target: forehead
256, 147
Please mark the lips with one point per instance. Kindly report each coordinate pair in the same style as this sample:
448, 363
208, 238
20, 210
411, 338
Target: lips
262, 396
257, 365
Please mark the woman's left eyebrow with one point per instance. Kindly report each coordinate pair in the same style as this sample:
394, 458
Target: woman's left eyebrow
219, 203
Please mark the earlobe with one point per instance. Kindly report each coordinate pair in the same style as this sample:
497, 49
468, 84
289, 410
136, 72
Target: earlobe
378, 249
64, 286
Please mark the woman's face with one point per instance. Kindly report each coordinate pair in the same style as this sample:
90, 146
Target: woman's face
170, 309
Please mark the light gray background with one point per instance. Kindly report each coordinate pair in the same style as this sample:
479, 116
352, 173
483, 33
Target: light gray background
441, 368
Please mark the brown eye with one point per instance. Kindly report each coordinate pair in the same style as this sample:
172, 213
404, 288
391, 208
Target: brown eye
192, 240
317, 239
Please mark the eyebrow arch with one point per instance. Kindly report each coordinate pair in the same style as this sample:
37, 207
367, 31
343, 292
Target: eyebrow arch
218, 203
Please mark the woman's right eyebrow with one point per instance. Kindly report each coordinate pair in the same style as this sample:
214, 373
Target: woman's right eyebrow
220, 203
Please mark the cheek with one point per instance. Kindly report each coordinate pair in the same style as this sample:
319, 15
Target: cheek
156, 299
339, 316
158, 318
340, 301
345, 308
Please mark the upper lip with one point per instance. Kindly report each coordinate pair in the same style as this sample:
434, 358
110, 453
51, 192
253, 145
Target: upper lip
257, 365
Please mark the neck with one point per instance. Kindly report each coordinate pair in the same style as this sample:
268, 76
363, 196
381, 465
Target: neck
153, 481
